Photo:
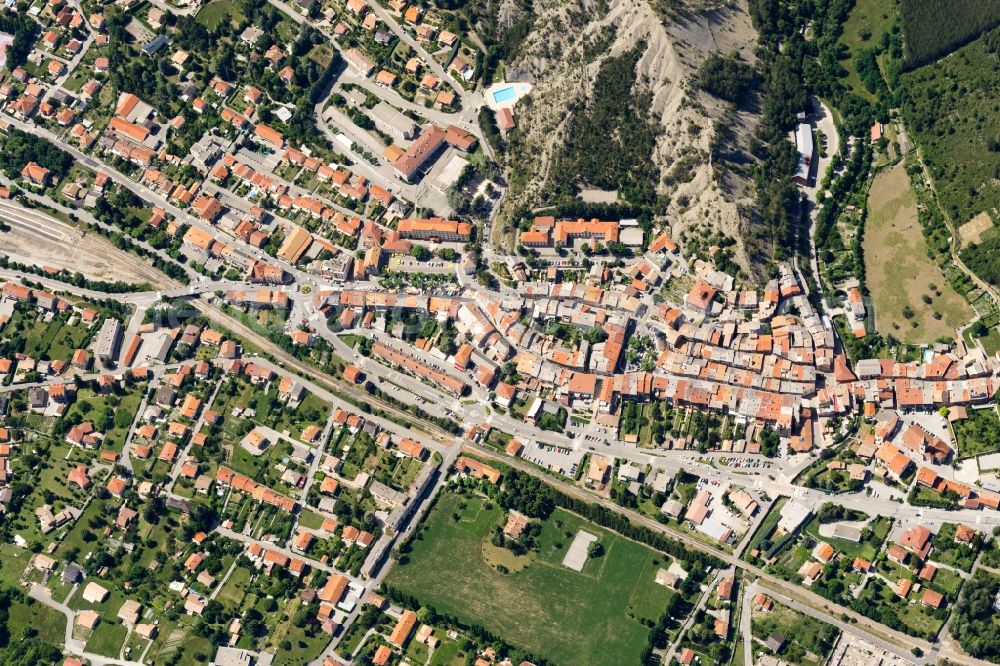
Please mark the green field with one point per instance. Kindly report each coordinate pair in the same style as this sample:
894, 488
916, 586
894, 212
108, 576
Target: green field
762, 538
978, 434
866, 549
880, 603
913, 300
808, 641
48, 622
867, 22
948, 551
214, 13
108, 638
591, 617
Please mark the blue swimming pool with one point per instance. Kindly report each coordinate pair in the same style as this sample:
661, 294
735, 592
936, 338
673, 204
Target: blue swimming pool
504, 95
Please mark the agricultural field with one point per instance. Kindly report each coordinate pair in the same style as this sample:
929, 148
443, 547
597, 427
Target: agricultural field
977, 434
913, 299
582, 618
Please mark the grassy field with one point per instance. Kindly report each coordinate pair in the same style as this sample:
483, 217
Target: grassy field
232, 593
808, 641
108, 638
591, 617
768, 525
868, 20
48, 622
900, 274
948, 551
878, 601
978, 434
851, 549
214, 13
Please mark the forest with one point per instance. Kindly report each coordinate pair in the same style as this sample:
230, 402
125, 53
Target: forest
972, 622
726, 77
610, 140
781, 55
935, 28
793, 68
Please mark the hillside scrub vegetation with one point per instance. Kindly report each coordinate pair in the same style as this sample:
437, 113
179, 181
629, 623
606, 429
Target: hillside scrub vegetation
947, 106
726, 77
935, 28
609, 142
981, 258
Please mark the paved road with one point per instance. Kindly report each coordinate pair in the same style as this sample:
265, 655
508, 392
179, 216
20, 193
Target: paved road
315, 564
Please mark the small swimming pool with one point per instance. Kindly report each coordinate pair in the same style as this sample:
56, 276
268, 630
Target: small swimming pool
504, 95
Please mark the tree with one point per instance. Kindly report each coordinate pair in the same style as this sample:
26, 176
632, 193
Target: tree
728, 78
769, 442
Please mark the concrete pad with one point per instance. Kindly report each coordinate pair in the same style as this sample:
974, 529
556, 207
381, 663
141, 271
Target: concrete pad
576, 554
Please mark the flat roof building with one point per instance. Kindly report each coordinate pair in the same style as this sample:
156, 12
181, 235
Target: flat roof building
109, 340
392, 122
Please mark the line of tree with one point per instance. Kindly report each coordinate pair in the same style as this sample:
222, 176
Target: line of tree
77, 279
533, 497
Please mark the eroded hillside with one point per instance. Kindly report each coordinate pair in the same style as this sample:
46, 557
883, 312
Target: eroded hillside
563, 56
